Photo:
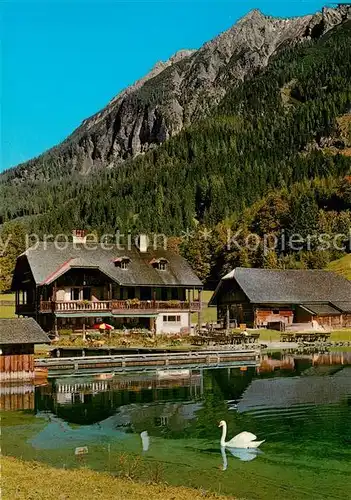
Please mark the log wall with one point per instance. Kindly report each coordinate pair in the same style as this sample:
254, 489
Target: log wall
264, 316
15, 397
17, 367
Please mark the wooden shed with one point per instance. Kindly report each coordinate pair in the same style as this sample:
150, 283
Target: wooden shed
17, 340
260, 297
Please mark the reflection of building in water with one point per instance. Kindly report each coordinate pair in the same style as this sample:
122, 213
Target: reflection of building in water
16, 397
83, 400
332, 358
160, 417
301, 362
70, 390
161, 421
267, 364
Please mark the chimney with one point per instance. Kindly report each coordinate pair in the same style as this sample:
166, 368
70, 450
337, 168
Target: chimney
143, 243
79, 236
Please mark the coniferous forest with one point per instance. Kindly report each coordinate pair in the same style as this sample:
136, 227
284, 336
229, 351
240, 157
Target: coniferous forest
273, 158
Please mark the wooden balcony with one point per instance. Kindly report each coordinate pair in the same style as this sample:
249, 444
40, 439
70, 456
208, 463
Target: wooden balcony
118, 306
24, 309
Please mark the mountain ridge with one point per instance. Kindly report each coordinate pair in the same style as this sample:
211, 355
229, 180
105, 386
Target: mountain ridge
272, 159
175, 94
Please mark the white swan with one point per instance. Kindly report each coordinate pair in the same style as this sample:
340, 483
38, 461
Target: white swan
242, 440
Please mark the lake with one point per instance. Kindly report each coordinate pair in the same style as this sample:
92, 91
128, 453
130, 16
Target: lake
163, 426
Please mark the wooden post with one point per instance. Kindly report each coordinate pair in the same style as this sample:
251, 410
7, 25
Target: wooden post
189, 321
227, 320
36, 303
55, 327
199, 317
17, 302
83, 331
153, 326
154, 298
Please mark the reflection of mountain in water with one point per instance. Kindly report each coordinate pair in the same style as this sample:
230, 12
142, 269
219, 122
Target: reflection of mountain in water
58, 434
287, 392
157, 417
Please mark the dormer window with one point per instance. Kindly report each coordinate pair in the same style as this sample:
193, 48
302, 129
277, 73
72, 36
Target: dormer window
160, 264
122, 262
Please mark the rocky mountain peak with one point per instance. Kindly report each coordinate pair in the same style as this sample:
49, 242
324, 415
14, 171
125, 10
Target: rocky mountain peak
252, 15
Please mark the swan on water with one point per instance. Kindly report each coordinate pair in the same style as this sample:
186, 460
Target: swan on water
242, 440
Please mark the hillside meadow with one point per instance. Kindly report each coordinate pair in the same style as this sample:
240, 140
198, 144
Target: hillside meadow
341, 266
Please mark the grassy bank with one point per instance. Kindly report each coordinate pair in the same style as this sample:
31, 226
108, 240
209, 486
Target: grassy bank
30, 480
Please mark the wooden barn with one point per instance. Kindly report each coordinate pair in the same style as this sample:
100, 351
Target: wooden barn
262, 297
17, 340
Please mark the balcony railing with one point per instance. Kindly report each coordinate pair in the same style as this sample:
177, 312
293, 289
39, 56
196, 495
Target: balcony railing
116, 306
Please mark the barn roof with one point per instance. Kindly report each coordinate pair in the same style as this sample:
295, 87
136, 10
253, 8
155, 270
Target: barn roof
47, 263
21, 331
263, 286
343, 306
321, 309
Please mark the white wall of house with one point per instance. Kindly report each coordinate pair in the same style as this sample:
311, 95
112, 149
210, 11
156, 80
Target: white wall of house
61, 295
172, 322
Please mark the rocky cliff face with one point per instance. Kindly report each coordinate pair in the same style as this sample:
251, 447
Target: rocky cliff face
178, 92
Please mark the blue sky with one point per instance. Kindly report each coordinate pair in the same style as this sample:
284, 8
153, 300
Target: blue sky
63, 61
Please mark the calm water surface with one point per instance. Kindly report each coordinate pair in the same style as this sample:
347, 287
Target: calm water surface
300, 404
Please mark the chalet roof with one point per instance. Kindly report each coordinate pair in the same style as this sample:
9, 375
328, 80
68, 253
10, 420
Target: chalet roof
47, 263
321, 309
157, 261
267, 286
121, 259
21, 331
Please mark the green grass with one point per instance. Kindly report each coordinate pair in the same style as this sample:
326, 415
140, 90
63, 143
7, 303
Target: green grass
29, 480
269, 335
7, 311
7, 296
341, 335
341, 266
209, 314
336, 336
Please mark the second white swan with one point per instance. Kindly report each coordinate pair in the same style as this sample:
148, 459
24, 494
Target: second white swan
242, 440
